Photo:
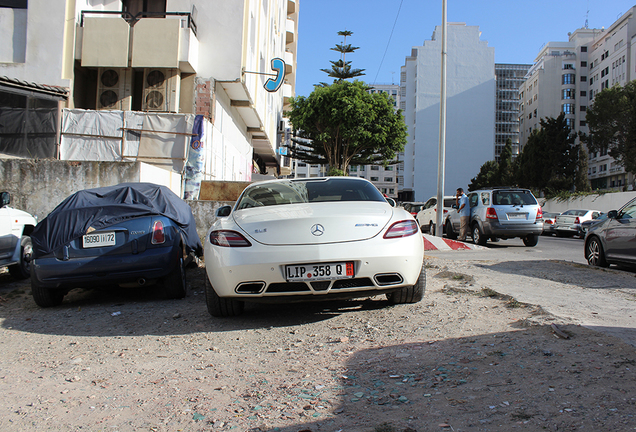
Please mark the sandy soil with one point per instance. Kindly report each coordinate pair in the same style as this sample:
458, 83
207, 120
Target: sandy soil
464, 359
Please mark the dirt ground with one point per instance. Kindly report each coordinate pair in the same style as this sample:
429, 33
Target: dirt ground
463, 359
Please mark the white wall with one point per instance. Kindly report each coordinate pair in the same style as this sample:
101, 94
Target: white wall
604, 203
470, 116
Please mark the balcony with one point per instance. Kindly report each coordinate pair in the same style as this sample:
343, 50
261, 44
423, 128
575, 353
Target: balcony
289, 62
290, 28
291, 7
166, 42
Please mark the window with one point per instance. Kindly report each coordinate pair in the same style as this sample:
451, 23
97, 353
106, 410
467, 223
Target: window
569, 122
302, 164
388, 179
582, 123
583, 78
568, 108
583, 64
136, 7
568, 79
388, 168
583, 108
583, 93
568, 66
374, 179
567, 94
375, 168
353, 168
391, 191
362, 167
14, 4
583, 49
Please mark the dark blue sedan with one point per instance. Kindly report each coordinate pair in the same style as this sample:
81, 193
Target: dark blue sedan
130, 235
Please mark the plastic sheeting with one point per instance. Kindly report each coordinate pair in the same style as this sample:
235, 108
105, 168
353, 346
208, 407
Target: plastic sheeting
102, 207
156, 138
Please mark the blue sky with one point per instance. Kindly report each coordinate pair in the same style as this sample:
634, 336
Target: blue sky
516, 29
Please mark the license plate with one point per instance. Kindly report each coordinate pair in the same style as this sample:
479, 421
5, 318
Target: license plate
98, 240
306, 272
517, 215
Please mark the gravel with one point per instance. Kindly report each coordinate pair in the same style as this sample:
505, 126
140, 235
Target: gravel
469, 357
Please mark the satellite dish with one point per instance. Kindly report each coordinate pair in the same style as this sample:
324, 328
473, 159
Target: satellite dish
273, 84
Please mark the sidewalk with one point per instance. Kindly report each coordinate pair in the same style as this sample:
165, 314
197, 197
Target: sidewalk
444, 244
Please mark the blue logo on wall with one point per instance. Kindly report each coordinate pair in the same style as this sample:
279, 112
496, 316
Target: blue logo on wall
273, 84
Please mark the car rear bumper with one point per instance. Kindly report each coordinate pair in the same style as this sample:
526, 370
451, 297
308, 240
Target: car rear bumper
87, 272
497, 229
257, 273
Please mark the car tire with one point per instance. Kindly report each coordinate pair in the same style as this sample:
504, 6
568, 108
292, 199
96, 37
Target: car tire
478, 236
531, 240
218, 306
431, 228
594, 253
410, 294
22, 270
174, 285
45, 297
448, 227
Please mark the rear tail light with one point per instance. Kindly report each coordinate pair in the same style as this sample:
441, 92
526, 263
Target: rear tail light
577, 220
402, 229
491, 213
226, 238
158, 235
539, 214
548, 221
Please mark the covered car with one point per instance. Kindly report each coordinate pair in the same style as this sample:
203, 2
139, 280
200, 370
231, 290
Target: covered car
312, 239
132, 234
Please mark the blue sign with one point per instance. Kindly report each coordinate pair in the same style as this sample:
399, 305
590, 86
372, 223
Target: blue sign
273, 84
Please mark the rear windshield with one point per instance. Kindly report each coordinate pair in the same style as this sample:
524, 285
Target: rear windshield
519, 197
575, 212
304, 191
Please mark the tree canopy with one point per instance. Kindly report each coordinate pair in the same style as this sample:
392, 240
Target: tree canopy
612, 124
343, 124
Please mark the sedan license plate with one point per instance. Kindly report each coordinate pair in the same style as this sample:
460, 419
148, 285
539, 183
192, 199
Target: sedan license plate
517, 215
98, 240
306, 272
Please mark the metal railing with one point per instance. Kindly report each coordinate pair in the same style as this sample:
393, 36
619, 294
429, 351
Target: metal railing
133, 19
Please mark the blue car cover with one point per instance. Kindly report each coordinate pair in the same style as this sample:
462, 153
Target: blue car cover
103, 207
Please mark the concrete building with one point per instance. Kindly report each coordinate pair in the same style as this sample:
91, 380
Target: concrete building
509, 78
163, 57
470, 111
565, 78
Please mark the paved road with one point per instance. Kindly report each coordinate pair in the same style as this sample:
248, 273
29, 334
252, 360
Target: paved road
555, 276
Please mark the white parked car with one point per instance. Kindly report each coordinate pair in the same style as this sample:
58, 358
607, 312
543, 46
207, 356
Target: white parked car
312, 239
15, 243
427, 216
568, 223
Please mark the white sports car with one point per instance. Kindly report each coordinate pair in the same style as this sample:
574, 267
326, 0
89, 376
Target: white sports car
312, 239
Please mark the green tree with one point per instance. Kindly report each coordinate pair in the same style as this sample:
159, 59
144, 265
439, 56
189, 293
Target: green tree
342, 124
612, 124
341, 69
487, 176
505, 173
550, 159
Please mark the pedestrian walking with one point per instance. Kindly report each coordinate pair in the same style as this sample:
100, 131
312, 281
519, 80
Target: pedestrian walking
463, 209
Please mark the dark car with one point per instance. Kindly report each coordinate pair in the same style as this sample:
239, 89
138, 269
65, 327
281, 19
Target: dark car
585, 226
130, 235
613, 241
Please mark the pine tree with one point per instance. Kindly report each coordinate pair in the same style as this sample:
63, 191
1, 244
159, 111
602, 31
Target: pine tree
341, 69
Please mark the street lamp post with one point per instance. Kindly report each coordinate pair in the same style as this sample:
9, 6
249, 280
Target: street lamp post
441, 161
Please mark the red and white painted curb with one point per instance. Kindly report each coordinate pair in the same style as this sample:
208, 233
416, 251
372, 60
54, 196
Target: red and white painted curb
443, 244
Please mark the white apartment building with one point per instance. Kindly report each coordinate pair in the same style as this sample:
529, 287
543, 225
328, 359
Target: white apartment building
565, 78
470, 116
161, 57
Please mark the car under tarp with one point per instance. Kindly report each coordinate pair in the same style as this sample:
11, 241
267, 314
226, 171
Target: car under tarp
102, 207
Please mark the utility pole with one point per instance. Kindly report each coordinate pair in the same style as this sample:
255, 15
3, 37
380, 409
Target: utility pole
441, 161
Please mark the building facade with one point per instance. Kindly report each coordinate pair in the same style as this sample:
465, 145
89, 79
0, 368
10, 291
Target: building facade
470, 114
169, 57
565, 78
509, 78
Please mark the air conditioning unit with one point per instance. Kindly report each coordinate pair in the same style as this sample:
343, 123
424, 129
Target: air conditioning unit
114, 89
161, 90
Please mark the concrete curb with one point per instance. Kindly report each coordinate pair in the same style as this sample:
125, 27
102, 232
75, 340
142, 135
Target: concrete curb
444, 244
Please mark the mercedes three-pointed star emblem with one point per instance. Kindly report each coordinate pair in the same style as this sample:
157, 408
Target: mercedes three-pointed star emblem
317, 229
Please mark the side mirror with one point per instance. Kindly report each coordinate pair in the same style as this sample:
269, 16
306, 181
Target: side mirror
391, 201
612, 214
5, 199
224, 211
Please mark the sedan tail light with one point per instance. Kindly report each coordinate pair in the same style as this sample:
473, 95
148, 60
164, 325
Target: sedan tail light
402, 229
158, 236
491, 213
577, 220
226, 238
